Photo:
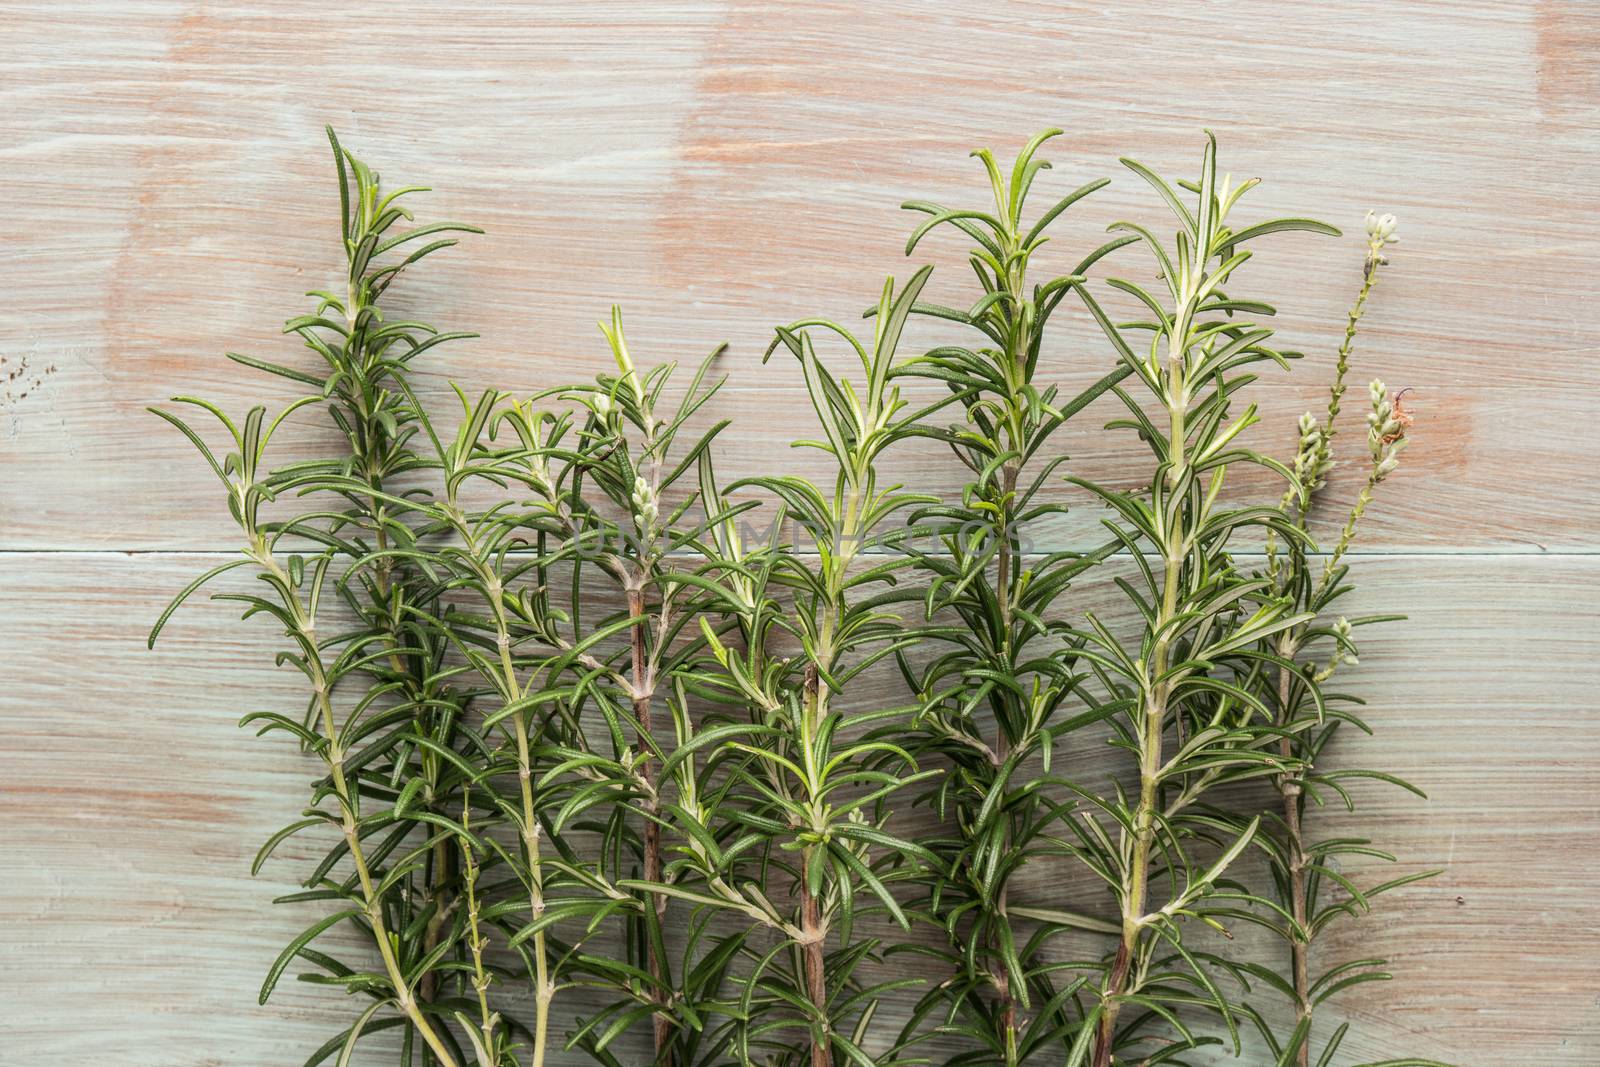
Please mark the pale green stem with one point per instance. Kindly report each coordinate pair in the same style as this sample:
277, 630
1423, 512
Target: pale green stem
352, 836
1157, 691
544, 992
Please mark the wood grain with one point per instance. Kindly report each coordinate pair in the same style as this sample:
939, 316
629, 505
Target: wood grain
135, 935
718, 167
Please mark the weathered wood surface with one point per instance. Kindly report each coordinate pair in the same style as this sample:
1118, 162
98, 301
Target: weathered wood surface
134, 934
717, 167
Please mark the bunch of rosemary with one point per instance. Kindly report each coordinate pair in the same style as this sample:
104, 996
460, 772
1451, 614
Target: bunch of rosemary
605, 772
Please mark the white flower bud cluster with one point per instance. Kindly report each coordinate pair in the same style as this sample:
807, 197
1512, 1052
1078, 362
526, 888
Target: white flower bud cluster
1380, 232
1314, 459
1380, 228
1386, 432
1341, 650
646, 509
602, 405
1341, 630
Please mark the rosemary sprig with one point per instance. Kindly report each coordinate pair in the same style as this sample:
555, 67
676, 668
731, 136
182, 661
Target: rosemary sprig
1308, 718
998, 601
373, 748
809, 782
1200, 616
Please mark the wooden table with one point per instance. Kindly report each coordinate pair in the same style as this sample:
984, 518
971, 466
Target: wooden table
719, 167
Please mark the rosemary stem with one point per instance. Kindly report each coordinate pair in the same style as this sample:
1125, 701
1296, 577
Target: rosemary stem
358, 312
812, 926
543, 993
1002, 747
1157, 690
1019, 340
815, 974
476, 942
1291, 789
1369, 279
374, 906
814, 931
661, 1026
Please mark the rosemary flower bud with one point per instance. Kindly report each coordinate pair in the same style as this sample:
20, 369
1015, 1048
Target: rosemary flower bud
645, 507
1380, 232
1386, 431
1342, 654
1341, 630
602, 406
1380, 228
1314, 459
1380, 420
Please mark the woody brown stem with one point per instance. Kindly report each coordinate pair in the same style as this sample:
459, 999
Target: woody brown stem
444, 873
1108, 1020
815, 974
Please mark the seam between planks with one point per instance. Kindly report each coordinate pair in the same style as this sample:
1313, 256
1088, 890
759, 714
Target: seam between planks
1396, 553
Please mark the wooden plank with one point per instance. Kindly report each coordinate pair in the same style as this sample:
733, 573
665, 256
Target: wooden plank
720, 166
135, 935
